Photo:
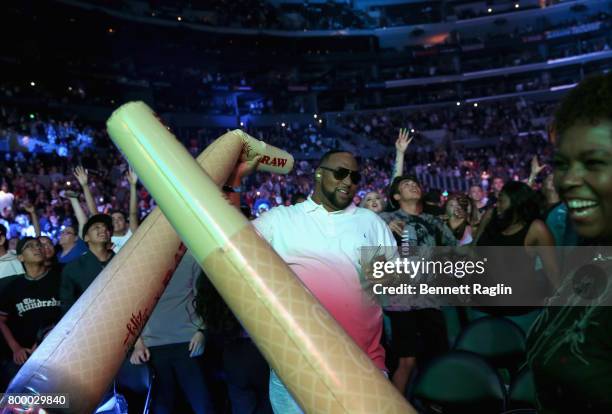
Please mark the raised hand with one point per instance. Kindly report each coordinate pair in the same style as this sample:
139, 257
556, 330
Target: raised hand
131, 176
536, 168
80, 174
403, 140
29, 207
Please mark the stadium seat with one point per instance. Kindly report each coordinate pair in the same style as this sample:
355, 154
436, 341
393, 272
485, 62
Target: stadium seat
500, 341
522, 391
456, 321
459, 382
523, 319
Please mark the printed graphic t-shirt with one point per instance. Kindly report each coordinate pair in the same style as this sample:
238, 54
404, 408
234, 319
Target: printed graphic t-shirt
31, 305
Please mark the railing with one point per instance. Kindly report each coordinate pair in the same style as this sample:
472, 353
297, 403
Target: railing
446, 182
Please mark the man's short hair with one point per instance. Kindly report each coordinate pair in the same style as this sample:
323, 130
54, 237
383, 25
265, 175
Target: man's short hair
394, 188
98, 218
328, 154
297, 196
125, 216
587, 102
432, 197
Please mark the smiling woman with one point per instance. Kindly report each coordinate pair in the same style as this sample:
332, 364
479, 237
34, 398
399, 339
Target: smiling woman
583, 175
568, 346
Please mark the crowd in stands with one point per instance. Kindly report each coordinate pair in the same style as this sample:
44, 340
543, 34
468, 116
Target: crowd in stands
333, 15
214, 87
42, 178
513, 204
468, 120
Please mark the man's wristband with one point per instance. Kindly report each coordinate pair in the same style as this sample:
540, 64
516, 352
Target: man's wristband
228, 189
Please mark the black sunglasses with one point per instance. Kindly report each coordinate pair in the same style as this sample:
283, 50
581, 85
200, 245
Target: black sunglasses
341, 173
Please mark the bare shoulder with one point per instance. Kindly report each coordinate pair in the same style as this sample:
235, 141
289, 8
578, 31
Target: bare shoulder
539, 234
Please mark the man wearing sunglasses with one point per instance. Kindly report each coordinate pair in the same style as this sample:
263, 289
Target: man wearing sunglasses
321, 240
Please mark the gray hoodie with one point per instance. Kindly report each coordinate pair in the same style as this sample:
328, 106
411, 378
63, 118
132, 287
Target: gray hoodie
9, 266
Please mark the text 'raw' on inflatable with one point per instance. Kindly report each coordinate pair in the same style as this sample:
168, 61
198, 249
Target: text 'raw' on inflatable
322, 367
83, 353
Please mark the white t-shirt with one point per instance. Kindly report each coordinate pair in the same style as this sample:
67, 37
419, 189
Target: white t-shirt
119, 241
324, 251
6, 200
10, 266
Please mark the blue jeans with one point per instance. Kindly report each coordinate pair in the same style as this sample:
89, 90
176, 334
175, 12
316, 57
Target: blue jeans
282, 401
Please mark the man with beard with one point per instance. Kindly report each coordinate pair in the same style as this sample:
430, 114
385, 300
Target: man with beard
321, 240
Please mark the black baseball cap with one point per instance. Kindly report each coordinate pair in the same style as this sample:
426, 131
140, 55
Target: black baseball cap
98, 218
22, 243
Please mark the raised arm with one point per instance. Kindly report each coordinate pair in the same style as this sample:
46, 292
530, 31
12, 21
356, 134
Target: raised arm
243, 169
483, 225
78, 210
133, 180
31, 210
401, 145
536, 169
80, 174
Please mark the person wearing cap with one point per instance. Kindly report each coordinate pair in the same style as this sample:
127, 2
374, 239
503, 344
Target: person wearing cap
29, 306
417, 324
78, 274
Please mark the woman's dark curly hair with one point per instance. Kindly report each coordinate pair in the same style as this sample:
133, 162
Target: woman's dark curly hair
588, 102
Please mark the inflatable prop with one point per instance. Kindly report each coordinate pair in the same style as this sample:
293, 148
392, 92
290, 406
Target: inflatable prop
83, 353
322, 367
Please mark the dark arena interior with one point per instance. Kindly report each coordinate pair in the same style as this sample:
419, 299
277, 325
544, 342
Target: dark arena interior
398, 134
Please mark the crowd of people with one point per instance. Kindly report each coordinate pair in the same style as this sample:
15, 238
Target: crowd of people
485, 120
211, 86
72, 239
330, 15
42, 178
